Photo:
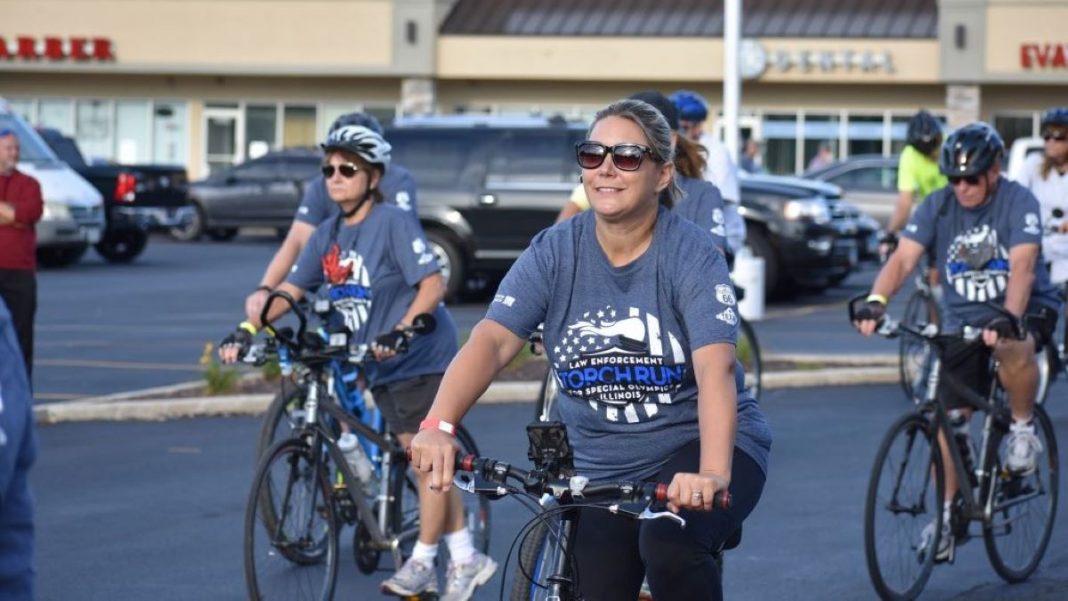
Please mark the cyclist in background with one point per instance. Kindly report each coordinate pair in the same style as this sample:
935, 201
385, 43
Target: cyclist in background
719, 168
701, 201
640, 292
917, 177
397, 187
1046, 176
985, 234
380, 274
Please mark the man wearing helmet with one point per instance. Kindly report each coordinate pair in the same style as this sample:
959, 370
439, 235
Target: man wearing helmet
692, 109
397, 187
373, 262
917, 169
984, 231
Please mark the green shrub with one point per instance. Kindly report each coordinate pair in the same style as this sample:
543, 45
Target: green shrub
217, 378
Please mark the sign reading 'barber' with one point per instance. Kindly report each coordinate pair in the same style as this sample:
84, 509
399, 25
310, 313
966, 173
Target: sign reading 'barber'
56, 49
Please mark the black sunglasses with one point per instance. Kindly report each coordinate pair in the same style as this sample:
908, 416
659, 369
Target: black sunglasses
347, 170
626, 157
1052, 136
973, 180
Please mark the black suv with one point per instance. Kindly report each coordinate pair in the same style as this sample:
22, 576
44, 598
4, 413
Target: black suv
487, 185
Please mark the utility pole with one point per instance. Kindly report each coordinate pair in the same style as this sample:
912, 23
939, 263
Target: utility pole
732, 84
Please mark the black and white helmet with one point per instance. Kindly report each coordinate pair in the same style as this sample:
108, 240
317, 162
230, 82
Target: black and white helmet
357, 139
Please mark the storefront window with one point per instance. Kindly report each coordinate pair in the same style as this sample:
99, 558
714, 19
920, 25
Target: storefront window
385, 114
865, 134
57, 113
821, 140
780, 148
132, 124
298, 127
93, 129
899, 127
261, 125
1013, 127
169, 133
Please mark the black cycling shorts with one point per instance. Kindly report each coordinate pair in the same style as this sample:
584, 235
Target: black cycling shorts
969, 362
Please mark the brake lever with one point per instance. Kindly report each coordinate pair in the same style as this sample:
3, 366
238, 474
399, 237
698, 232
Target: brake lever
649, 514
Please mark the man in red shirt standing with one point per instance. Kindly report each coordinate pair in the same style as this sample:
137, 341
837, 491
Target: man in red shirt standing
20, 209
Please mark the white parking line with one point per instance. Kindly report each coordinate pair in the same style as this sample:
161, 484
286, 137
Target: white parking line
116, 364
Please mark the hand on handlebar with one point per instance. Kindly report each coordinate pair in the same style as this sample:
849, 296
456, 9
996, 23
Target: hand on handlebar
867, 318
434, 451
390, 344
234, 346
1002, 327
694, 491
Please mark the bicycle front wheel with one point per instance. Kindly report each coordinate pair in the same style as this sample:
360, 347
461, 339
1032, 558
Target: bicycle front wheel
748, 353
291, 542
1022, 508
538, 553
903, 511
284, 416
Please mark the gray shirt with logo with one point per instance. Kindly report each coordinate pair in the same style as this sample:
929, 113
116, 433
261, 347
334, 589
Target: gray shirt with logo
370, 271
972, 249
397, 186
702, 204
621, 340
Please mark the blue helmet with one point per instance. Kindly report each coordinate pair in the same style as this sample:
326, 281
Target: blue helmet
1055, 116
971, 150
690, 105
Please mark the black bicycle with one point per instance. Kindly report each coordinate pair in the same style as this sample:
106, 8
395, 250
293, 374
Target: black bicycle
304, 490
545, 563
903, 512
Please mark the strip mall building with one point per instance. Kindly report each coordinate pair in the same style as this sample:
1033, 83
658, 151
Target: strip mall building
208, 83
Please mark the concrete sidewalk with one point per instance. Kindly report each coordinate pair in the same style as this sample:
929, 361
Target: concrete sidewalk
848, 370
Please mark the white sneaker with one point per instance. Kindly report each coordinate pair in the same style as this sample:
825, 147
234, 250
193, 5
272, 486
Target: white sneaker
1023, 449
945, 542
461, 580
414, 578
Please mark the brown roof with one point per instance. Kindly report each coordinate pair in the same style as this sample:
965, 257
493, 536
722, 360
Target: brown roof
699, 18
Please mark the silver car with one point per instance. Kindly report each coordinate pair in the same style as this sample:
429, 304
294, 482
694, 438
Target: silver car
869, 182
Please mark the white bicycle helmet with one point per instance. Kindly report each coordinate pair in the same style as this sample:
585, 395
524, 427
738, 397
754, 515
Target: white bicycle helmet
357, 139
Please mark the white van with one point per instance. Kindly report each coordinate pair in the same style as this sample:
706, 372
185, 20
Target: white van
1022, 148
73, 215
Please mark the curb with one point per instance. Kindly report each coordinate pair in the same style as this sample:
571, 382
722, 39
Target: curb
119, 407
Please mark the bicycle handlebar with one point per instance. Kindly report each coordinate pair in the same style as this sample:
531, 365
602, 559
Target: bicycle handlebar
539, 483
889, 327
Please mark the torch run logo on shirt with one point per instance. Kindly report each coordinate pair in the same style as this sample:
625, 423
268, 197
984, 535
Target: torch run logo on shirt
977, 266
619, 363
349, 286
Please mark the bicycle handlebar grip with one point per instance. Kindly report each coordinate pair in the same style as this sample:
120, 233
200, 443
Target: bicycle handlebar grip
721, 501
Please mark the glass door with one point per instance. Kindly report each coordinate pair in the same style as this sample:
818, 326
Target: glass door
223, 130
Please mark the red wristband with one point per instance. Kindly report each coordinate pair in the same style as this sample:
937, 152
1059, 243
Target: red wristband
437, 424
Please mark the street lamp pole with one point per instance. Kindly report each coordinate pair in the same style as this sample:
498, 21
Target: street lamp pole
732, 24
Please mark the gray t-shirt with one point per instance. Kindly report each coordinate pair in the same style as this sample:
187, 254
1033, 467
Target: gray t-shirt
702, 204
621, 340
972, 249
371, 270
397, 186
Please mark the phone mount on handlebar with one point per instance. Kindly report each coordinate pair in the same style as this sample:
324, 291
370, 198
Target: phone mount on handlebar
549, 449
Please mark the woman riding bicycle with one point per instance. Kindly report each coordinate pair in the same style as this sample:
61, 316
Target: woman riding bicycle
1046, 176
380, 274
984, 232
640, 322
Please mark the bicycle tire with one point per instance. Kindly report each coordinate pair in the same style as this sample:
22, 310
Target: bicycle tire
1005, 516
550, 387
748, 353
306, 557
926, 507
913, 354
536, 553
287, 407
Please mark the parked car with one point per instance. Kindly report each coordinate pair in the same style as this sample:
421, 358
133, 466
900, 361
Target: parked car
487, 185
1021, 149
73, 216
137, 198
868, 180
263, 192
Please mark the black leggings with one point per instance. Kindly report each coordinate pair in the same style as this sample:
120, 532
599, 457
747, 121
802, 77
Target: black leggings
614, 552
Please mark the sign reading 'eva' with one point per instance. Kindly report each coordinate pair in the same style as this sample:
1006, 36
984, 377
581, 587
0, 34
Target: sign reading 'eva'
55, 49
1044, 56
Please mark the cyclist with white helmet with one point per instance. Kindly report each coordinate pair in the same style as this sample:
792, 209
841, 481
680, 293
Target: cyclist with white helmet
380, 274
1046, 175
719, 168
397, 187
